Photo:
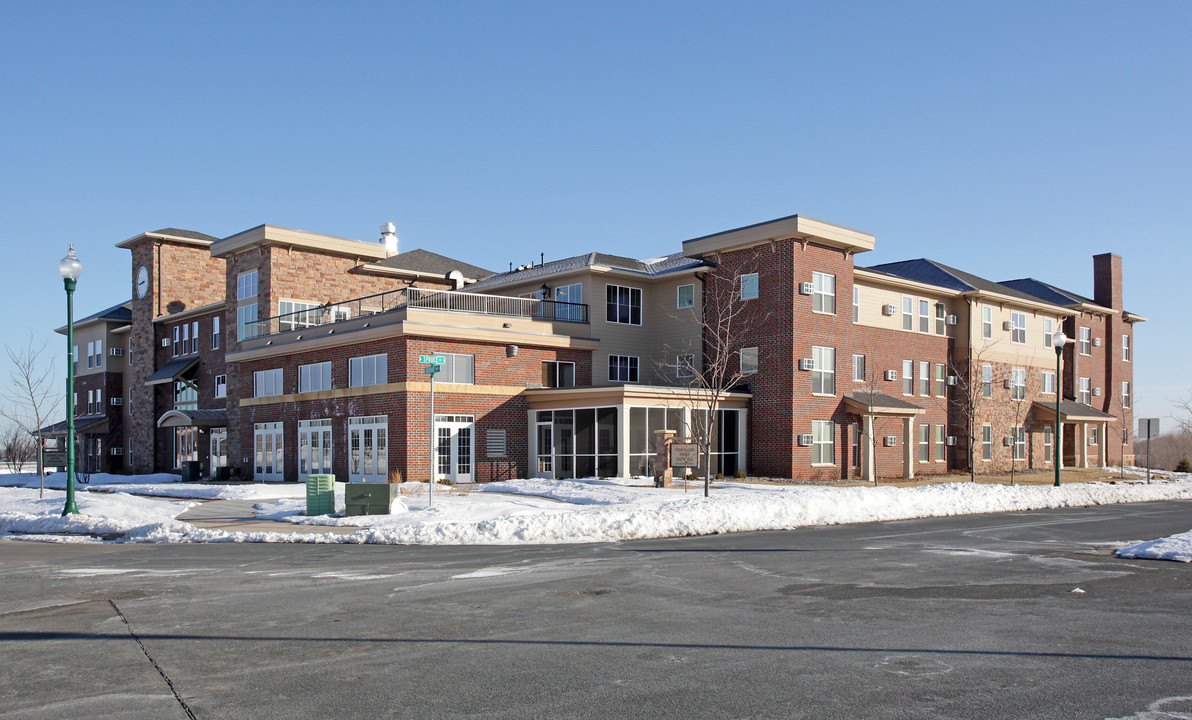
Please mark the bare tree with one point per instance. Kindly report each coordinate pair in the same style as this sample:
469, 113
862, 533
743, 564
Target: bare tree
31, 399
966, 398
17, 448
724, 322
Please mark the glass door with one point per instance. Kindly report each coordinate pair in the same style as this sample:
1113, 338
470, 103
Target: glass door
314, 448
454, 450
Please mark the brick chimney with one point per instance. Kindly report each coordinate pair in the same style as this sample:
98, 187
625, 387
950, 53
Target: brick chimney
1107, 280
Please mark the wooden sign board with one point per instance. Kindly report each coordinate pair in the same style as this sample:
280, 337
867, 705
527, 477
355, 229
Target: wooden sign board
684, 455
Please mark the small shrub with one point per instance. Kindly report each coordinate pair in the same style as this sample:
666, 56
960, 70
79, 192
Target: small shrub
718, 476
692, 476
740, 475
395, 477
1183, 465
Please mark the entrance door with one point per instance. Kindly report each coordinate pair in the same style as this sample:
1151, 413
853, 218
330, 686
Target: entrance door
453, 449
368, 448
269, 451
546, 466
314, 448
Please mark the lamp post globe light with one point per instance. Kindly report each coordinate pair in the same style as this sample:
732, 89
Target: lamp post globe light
70, 268
1059, 340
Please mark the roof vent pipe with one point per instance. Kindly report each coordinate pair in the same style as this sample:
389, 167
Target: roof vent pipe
389, 238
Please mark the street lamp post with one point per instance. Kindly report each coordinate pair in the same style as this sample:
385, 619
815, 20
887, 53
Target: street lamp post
70, 268
1059, 340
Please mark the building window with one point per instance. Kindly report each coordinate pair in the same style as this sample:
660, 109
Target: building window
1047, 332
1126, 348
1047, 385
1018, 327
297, 314
1018, 384
368, 370
941, 381
246, 313
748, 360
315, 377
924, 443
941, 444
823, 371
823, 442
1094, 435
685, 366
941, 319
823, 293
908, 313
266, 383
924, 316
686, 297
1018, 435
987, 322
986, 442
368, 454
856, 304
622, 368
176, 348
215, 333
459, 369
221, 386
858, 368
74, 357
908, 377
1086, 390
624, 305
924, 377
749, 288
986, 381
268, 451
90, 354
557, 374
246, 285
569, 299
1126, 394
1086, 341
1047, 443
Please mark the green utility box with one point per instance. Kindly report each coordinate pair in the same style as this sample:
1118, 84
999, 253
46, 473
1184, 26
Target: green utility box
370, 498
320, 494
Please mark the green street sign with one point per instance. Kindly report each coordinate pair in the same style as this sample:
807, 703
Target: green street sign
432, 369
432, 360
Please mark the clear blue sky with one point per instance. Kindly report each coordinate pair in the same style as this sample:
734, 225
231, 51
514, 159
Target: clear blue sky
1009, 139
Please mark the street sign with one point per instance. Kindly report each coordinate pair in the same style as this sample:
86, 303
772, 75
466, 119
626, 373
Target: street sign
1148, 428
432, 359
684, 455
432, 369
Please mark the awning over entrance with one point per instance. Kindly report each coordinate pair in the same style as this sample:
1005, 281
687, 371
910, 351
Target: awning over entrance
876, 403
193, 418
1073, 411
96, 425
170, 371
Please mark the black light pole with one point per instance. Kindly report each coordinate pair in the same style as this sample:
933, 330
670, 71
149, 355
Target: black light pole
70, 268
1059, 340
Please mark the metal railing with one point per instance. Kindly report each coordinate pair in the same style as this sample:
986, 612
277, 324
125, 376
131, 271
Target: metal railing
420, 299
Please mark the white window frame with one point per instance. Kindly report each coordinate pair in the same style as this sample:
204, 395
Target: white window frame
310, 314
1085, 390
377, 428
314, 377
924, 378
1018, 383
626, 365
246, 285
1018, 328
823, 293
941, 444
215, 333
1018, 437
221, 387
570, 293
823, 370
856, 304
368, 370
268, 383
987, 381
924, 316
986, 322
459, 369
986, 442
1048, 332
941, 319
908, 377
941, 380
558, 369
685, 365
1047, 382
908, 313
1048, 448
1085, 343
1126, 348
823, 443
246, 321
682, 302
625, 299
925, 443
1126, 393
859, 368
748, 286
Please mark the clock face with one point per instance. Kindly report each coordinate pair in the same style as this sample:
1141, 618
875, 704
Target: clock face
142, 281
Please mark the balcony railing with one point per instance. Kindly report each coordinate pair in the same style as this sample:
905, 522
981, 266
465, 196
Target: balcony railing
420, 299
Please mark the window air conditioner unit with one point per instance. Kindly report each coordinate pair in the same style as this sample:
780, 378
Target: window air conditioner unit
117, 352
1096, 392
890, 440
805, 440
1092, 440
950, 380
117, 401
952, 320
1007, 441
806, 364
951, 441
889, 309
1006, 325
1007, 384
165, 342
1096, 342
117, 451
891, 374
806, 288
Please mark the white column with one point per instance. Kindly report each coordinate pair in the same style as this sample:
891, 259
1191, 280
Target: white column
908, 448
742, 437
622, 441
868, 469
1104, 444
1083, 439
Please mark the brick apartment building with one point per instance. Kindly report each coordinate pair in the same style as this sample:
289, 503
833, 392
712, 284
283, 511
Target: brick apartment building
275, 353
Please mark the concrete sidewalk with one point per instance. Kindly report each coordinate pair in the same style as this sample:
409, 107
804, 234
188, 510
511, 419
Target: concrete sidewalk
237, 516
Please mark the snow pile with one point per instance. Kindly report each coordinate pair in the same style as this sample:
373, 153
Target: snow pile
100, 515
1176, 547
